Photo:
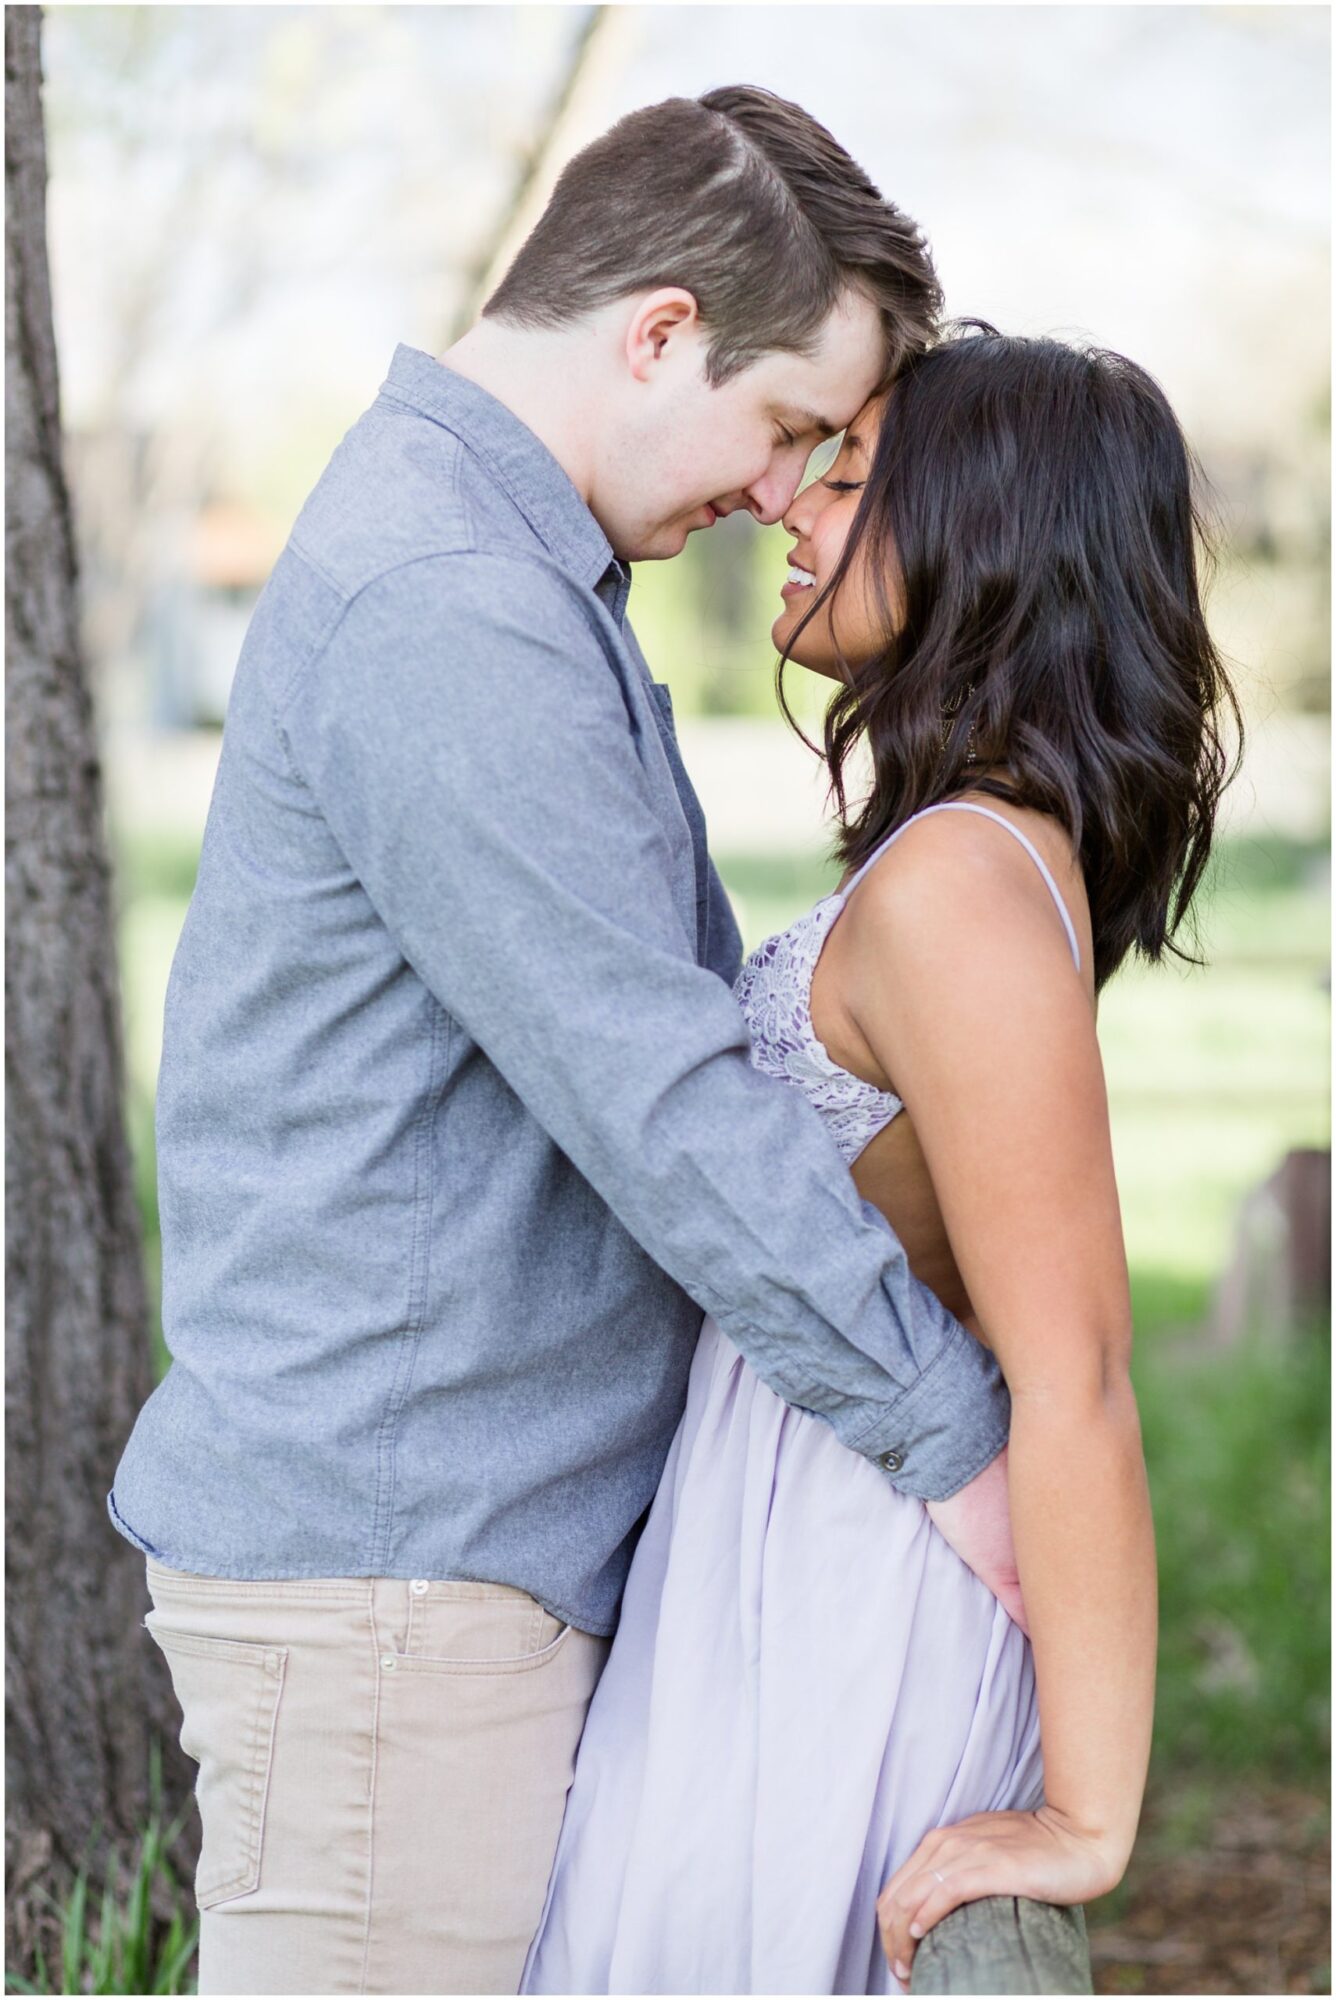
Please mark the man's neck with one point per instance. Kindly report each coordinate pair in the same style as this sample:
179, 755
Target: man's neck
544, 378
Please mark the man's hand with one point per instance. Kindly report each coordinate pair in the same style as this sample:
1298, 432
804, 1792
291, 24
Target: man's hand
977, 1523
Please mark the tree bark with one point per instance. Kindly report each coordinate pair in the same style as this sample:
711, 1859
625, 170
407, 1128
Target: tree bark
84, 1687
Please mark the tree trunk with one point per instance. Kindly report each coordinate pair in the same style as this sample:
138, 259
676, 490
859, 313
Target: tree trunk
84, 1687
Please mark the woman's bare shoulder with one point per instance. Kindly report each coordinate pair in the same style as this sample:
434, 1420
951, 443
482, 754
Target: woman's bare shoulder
958, 874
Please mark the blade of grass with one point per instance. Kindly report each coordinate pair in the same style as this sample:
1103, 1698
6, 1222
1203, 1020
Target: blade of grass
73, 1934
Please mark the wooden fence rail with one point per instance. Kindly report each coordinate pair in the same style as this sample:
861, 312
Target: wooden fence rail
1005, 1944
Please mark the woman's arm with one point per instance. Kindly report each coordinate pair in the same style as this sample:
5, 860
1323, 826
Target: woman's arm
958, 975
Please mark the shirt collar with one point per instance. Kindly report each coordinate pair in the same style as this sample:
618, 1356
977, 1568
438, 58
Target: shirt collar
522, 464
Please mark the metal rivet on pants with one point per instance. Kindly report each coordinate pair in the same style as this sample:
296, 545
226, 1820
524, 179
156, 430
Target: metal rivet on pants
388, 1662
419, 1586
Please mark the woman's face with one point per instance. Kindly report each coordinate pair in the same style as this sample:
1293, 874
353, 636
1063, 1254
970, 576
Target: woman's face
849, 625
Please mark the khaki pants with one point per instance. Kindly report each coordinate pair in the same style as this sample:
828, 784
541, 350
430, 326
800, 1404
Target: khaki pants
383, 1767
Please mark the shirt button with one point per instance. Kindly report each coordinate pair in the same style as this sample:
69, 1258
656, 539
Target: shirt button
419, 1586
387, 1661
892, 1460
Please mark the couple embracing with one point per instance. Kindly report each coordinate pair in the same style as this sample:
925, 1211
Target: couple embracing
580, 1516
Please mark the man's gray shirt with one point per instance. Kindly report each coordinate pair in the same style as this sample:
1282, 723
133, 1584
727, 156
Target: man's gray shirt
457, 1133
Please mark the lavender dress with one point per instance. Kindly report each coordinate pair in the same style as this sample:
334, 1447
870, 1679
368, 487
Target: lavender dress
805, 1677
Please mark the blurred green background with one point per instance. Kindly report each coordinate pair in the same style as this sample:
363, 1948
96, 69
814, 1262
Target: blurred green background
249, 207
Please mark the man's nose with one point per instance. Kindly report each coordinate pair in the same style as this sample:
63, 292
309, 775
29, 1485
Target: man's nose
771, 496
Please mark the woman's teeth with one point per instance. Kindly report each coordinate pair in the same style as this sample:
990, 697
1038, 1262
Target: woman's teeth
801, 577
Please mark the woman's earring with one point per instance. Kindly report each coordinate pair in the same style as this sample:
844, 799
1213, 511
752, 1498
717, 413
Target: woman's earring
950, 712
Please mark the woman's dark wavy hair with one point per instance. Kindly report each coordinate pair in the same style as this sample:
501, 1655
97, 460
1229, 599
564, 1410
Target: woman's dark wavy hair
1034, 503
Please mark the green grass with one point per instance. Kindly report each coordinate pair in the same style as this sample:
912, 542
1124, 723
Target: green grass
114, 1944
1238, 1447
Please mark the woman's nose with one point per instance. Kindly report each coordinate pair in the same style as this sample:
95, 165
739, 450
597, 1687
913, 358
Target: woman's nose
798, 515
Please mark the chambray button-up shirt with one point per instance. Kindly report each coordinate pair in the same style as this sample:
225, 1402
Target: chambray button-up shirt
457, 1133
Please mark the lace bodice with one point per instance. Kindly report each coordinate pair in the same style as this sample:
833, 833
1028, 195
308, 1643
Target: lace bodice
774, 991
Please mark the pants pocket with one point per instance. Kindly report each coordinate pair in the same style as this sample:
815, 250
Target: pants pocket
229, 1695
464, 1628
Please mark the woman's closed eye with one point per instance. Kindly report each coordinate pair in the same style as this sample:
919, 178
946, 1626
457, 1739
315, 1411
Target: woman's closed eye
844, 485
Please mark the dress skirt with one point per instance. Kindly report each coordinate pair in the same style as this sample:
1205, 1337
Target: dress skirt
805, 1679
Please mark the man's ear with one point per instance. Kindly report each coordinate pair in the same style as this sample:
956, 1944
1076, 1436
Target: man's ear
660, 318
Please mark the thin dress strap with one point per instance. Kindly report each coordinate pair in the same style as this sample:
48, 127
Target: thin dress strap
966, 805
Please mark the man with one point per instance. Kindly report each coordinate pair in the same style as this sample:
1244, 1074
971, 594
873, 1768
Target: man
457, 1130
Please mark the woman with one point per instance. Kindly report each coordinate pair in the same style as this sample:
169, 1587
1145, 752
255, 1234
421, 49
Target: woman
817, 1731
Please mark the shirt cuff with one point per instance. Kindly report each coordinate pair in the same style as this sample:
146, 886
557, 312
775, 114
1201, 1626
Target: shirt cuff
947, 1427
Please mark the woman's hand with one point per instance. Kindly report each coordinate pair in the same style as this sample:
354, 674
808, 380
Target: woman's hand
1038, 1854
977, 1523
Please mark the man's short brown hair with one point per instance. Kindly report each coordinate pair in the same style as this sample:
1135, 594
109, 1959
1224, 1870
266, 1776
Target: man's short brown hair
745, 201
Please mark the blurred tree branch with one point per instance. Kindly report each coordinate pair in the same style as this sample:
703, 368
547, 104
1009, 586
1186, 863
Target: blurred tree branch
539, 167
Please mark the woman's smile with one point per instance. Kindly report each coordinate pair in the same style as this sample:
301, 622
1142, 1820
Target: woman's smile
799, 580
818, 522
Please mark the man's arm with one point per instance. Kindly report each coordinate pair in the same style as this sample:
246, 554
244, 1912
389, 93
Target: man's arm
466, 735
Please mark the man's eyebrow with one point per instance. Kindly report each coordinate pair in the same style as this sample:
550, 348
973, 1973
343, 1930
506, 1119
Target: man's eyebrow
808, 420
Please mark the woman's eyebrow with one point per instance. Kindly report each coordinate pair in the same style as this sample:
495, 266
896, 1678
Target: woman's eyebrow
852, 442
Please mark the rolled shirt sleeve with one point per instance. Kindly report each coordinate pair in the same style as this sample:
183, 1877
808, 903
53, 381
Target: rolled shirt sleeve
466, 734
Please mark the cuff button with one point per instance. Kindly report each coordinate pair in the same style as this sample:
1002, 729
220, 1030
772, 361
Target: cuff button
892, 1460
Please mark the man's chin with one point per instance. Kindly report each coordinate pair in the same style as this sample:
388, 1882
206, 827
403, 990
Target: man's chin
660, 544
